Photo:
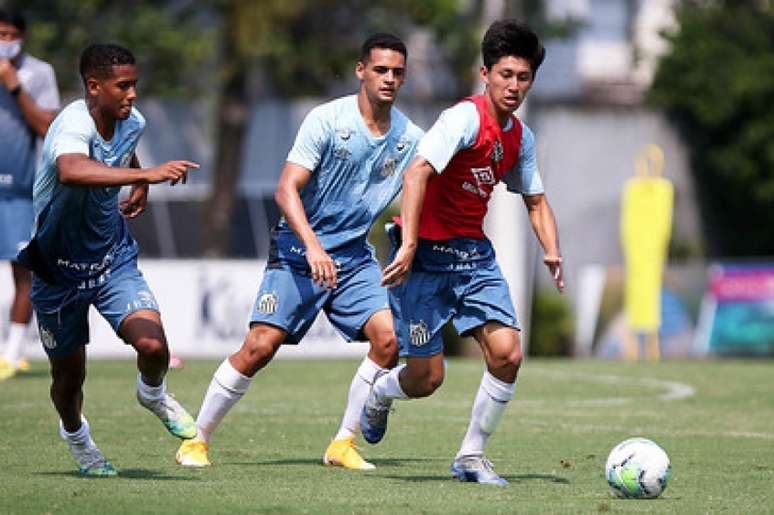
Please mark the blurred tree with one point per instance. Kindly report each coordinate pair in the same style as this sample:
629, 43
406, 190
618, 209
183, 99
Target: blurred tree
171, 40
717, 84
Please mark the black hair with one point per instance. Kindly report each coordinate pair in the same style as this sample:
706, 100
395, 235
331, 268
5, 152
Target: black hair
14, 18
98, 60
382, 40
512, 38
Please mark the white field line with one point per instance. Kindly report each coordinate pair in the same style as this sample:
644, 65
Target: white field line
674, 391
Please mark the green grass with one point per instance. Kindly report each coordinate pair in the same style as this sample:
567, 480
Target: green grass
551, 445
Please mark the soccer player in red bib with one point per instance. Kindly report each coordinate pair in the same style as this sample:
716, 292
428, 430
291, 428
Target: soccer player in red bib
454, 276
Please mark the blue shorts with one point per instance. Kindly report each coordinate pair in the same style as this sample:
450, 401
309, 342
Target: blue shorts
470, 293
290, 300
16, 219
65, 328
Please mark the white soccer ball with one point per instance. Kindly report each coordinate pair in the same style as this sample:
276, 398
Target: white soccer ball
638, 468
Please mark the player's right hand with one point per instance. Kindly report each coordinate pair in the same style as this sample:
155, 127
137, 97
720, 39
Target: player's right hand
398, 271
322, 267
172, 171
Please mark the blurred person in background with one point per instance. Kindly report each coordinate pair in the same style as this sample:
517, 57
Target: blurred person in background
29, 99
344, 169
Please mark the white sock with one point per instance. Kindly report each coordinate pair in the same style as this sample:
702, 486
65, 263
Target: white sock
358, 393
13, 345
226, 388
80, 437
491, 400
387, 388
150, 393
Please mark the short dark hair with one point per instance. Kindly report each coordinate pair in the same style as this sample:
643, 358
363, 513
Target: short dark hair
512, 37
382, 40
98, 60
15, 18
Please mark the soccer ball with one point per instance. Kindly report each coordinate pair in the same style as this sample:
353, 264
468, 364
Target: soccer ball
638, 468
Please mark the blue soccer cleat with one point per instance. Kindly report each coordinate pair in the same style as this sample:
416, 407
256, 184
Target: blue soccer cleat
373, 418
476, 469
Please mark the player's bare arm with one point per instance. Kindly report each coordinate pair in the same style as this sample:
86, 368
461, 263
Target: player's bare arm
134, 205
36, 117
544, 224
294, 177
80, 170
414, 186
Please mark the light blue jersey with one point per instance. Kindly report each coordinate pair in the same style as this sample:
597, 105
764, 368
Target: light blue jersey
79, 234
355, 175
18, 142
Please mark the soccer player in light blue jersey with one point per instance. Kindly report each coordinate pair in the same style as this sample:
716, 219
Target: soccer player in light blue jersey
81, 253
29, 100
345, 167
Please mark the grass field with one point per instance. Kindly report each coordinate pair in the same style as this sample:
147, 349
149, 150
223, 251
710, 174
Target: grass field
714, 418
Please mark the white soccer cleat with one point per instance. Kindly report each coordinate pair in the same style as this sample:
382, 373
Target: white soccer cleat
174, 416
91, 461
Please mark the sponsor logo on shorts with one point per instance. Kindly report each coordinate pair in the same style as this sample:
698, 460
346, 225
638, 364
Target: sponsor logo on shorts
47, 337
268, 303
418, 333
6, 179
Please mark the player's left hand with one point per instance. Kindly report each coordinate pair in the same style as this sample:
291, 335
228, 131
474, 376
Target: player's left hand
554, 264
134, 205
398, 271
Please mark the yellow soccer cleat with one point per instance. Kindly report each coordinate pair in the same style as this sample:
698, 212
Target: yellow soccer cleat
7, 370
193, 453
343, 453
23, 365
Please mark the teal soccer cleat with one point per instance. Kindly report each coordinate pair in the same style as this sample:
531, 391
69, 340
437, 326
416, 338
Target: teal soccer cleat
174, 416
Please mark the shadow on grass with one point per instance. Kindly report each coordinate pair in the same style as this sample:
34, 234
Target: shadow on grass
142, 474
35, 373
511, 478
318, 461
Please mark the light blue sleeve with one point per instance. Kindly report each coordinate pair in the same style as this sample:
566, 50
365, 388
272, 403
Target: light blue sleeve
73, 133
524, 178
311, 140
456, 129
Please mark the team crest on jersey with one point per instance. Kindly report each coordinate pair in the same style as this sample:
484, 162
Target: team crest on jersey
389, 166
268, 303
402, 144
497, 152
344, 134
418, 333
47, 337
341, 153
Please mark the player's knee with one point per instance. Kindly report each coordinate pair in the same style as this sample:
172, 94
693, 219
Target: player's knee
67, 380
257, 350
152, 347
385, 348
